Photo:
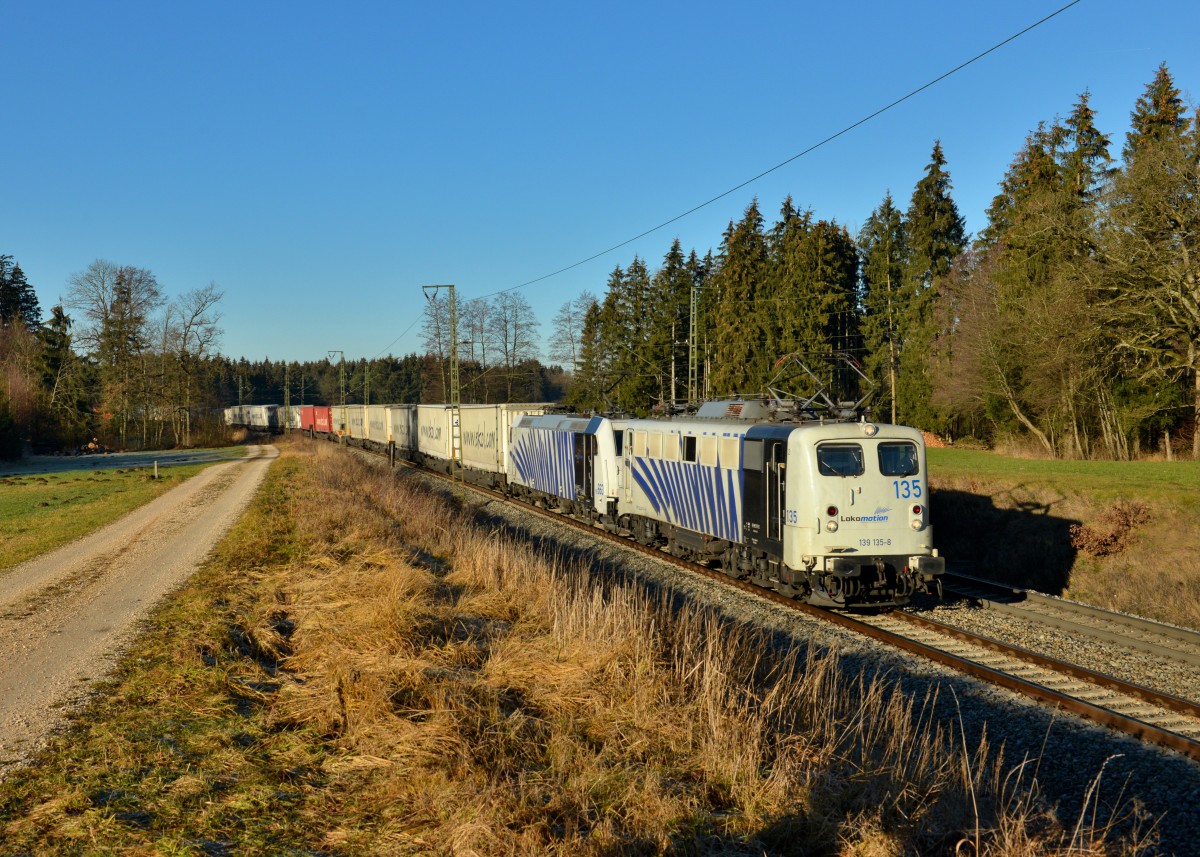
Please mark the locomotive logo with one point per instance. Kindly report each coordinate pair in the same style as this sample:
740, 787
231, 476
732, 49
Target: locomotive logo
880, 516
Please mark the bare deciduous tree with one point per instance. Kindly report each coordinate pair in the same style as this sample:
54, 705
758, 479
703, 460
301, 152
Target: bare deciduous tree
564, 344
513, 331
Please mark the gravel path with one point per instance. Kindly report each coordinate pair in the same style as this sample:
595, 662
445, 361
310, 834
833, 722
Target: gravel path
66, 616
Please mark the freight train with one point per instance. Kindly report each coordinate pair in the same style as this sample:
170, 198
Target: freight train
832, 511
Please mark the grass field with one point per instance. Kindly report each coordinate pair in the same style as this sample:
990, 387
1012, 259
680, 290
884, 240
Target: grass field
41, 512
1121, 535
366, 668
1175, 482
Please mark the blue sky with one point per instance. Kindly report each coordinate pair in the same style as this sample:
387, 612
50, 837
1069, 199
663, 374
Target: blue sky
322, 162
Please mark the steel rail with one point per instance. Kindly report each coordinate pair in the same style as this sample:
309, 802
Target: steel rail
1010, 601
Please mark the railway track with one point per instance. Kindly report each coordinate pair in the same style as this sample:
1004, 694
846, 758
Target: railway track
1133, 633
1149, 715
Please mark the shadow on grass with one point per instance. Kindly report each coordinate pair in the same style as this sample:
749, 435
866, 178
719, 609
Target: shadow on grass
1018, 541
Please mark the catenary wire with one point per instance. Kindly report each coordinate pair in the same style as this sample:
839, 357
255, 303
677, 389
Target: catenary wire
778, 166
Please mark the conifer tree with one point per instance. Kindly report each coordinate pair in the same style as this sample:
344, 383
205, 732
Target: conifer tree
883, 244
1085, 163
739, 361
786, 318
936, 236
640, 381
1034, 171
64, 380
1149, 258
1159, 115
585, 393
18, 301
670, 309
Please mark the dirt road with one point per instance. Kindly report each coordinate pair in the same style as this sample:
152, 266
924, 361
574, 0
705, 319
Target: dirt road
65, 616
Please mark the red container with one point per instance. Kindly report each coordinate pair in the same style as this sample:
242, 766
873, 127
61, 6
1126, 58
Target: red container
306, 417
323, 419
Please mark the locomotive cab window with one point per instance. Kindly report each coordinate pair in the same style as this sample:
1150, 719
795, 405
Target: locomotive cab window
898, 459
752, 458
619, 436
840, 459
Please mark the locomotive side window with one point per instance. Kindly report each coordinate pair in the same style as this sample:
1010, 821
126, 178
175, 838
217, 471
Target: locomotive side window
898, 459
708, 451
671, 447
729, 452
639, 443
654, 444
840, 459
689, 449
619, 436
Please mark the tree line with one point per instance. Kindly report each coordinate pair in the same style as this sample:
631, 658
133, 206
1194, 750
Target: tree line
1071, 321
130, 368
119, 365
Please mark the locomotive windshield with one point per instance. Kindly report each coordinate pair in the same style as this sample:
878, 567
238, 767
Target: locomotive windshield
840, 459
898, 459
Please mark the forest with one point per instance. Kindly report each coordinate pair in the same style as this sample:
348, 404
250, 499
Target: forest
1069, 326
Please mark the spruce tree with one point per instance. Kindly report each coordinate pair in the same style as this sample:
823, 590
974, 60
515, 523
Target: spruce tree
883, 244
641, 381
1158, 115
18, 301
584, 394
936, 236
670, 311
1085, 162
1149, 258
64, 380
1034, 171
739, 323
788, 323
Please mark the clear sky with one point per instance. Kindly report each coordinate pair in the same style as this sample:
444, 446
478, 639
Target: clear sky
321, 162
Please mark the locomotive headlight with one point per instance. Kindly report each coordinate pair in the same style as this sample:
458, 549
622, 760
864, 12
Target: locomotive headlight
870, 429
831, 526
918, 524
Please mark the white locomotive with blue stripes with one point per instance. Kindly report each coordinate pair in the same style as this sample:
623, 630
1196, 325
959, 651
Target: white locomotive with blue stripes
834, 512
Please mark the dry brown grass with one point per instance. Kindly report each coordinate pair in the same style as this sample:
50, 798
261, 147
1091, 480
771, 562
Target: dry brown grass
421, 683
504, 701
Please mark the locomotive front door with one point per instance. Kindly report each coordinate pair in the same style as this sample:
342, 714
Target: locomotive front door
584, 455
775, 464
764, 463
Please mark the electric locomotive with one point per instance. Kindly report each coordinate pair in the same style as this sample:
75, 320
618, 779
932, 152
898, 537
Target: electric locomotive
834, 512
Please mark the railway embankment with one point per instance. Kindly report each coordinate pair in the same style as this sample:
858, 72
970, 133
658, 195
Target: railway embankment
371, 666
1119, 535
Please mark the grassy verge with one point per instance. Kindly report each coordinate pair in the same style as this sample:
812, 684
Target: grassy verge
363, 669
43, 512
1120, 535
